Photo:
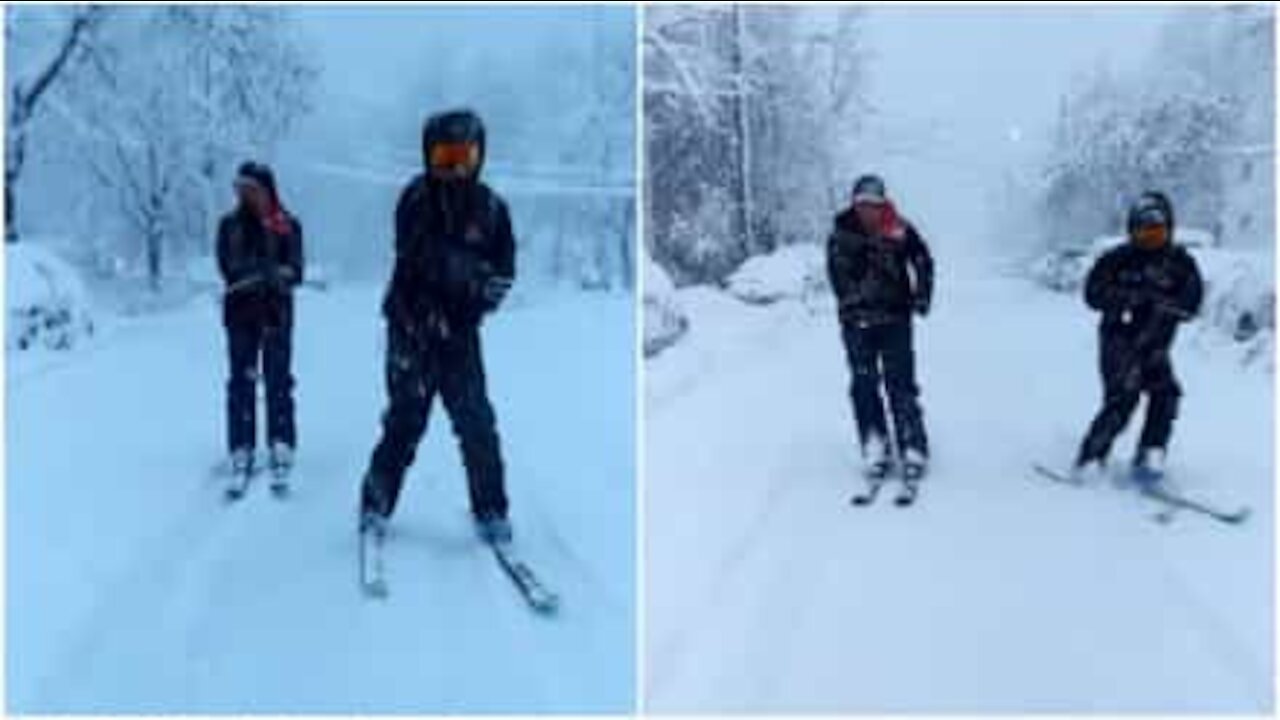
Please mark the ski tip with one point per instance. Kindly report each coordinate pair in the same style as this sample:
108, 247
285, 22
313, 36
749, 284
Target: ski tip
376, 590
547, 606
1239, 516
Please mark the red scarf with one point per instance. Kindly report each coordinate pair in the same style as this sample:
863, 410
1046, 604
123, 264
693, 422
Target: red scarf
891, 224
277, 220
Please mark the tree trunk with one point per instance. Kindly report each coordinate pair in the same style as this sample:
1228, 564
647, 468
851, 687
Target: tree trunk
153, 258
743, 126
10, 231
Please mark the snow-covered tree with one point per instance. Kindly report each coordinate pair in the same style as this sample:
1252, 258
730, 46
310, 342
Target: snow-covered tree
1168, 125
43, 46
180, 97
750, 118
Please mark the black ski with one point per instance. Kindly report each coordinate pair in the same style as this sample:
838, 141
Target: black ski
1172, 501
538, 596
1175, 501
1056, 476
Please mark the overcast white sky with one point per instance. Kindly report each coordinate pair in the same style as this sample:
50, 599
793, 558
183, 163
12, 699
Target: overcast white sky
955, 86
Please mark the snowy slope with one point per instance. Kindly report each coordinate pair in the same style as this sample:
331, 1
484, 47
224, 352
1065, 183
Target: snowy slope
767, 592
133, 589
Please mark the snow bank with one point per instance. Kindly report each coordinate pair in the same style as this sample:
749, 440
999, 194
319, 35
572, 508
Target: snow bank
1240, 302
664, 320
790, 272
46, 300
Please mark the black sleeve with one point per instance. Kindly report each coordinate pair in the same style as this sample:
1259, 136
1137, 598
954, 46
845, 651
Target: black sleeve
224, 250
1191, 292
841, 266
405, 270
922, 267
293, 253
504, 243
1101, 291
233, 262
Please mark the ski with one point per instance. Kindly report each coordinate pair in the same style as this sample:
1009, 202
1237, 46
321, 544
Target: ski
1056, 476
538, 596
1175, 501
373, 583
1172, 501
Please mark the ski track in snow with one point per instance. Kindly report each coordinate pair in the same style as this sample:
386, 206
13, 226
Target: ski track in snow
135, 588
998, 592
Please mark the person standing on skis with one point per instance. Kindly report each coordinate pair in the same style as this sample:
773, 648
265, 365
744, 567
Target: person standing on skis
454, 263
881, 272
259, 249
1144, 289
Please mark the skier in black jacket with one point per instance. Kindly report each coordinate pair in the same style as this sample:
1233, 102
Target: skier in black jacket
259, 248
454, 263
882, 273
1144, 290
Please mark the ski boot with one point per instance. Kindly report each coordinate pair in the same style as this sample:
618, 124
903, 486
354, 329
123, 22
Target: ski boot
241, 464
281, 462
373, 523
493, 529
914, 465
876, 463
1089, 472
1148, 469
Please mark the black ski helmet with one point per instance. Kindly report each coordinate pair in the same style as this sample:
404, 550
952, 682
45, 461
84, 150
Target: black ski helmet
461, 125
870, 188
1151, 208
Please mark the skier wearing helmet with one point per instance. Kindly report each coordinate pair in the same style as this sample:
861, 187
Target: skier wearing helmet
454, 263
1144, 289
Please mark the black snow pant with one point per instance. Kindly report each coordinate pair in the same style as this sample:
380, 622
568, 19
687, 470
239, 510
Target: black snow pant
250, 345
880, 356
1127, 373
416, 370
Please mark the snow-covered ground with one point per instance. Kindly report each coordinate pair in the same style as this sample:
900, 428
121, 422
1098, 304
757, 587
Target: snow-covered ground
766, 591
133, 589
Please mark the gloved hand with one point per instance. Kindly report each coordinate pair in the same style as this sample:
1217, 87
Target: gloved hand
285, 276
920, 304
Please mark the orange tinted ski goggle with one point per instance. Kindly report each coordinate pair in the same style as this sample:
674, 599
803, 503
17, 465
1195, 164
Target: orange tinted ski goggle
449, 155
1151, 236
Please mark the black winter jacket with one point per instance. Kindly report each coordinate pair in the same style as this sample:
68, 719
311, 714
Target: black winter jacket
259, 268
451, 239
876, 279
1144, 294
